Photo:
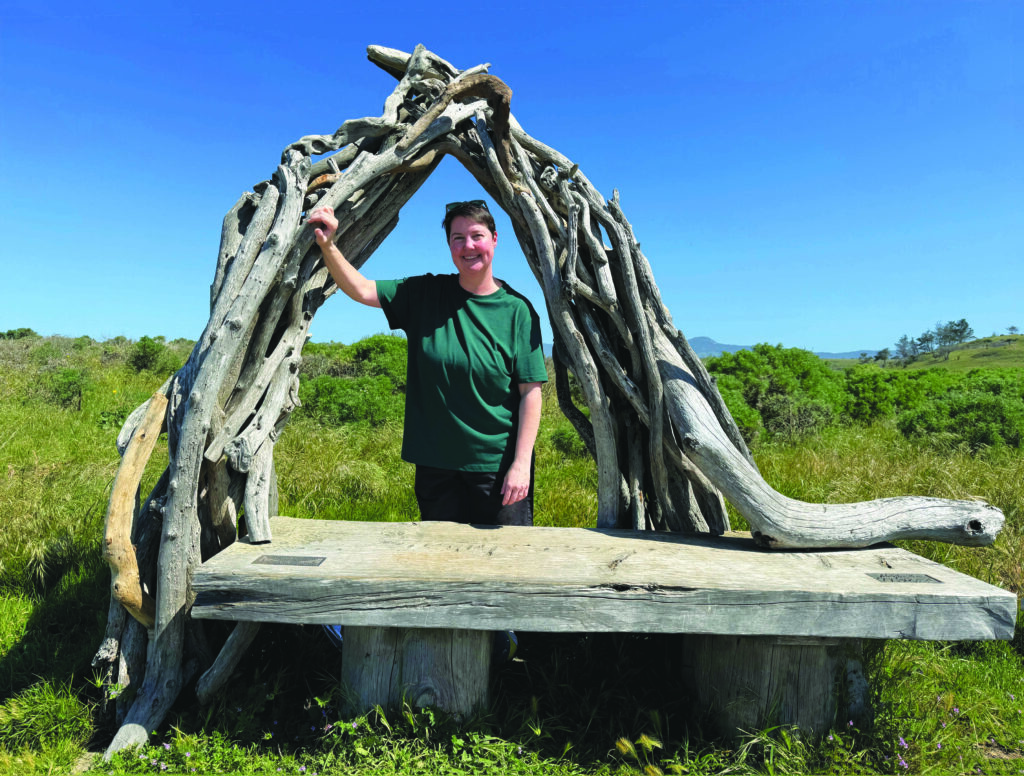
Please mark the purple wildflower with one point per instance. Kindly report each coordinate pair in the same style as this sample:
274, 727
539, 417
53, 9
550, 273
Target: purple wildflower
167, 746
903, 764
938, 745
903, 743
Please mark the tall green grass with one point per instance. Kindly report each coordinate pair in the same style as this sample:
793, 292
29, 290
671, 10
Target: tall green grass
594, 704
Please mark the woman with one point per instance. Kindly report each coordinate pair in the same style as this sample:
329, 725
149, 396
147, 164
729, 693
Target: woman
475, 370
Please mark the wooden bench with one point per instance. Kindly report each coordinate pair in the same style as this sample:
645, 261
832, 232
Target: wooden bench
768, 633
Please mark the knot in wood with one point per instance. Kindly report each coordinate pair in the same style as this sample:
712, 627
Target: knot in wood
195, 397
764, 540
549, 178
691, 443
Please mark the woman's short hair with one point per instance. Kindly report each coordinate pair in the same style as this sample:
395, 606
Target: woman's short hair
475, 210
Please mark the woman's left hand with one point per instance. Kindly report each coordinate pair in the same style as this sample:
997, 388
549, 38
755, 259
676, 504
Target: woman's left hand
517, 483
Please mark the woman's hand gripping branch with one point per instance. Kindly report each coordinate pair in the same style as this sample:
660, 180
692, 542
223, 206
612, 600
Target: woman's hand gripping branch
350, 280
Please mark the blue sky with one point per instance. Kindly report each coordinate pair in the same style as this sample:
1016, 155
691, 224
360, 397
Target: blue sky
825, 175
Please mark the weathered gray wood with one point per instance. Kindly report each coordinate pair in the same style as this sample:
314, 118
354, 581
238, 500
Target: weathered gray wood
440, 668
778, 521
446, 575
179, 544
748, 683
234, 649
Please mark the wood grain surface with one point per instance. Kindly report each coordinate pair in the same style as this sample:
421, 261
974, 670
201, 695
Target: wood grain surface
445, 575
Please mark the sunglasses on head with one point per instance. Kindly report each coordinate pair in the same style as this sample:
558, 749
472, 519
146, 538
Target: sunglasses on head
474, 202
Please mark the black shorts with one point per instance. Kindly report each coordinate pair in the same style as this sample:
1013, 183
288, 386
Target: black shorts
469, 497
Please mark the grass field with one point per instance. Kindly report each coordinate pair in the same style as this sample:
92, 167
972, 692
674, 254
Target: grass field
576, 704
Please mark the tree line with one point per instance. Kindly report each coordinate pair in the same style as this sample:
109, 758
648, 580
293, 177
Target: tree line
937, 342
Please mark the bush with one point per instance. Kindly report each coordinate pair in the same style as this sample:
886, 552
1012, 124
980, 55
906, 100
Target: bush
788, 418
986, 409
150, 354
871, 393
337, 400
65, 387
14, 334
747, 418
381, 355
145, 354
787, 392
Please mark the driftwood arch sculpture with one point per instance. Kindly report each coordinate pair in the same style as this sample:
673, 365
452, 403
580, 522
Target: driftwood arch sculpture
666, 448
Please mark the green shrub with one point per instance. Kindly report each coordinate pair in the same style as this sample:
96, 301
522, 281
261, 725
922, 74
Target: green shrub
378, 355
747, 418
337, 400
13, 334
786, 417
870, 392
65, 387
145, 354
788, 392
974, 417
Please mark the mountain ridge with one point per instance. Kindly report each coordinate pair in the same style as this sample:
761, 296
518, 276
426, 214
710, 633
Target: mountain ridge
705, 347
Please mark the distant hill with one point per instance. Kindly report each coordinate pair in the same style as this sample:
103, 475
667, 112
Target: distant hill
706, 347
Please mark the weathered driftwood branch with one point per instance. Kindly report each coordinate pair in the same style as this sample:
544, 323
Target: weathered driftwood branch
666, 448
234, 649
118, 550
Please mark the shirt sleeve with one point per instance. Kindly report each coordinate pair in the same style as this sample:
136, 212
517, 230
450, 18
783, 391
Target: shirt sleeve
530, 367
394, 298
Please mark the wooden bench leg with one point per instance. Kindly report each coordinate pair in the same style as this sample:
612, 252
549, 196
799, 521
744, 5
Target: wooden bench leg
437, 667
752, 682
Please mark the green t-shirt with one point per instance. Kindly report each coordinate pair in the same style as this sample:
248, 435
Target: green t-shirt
467, 356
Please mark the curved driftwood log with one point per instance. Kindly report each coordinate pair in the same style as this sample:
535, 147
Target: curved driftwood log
666, 447
118, 550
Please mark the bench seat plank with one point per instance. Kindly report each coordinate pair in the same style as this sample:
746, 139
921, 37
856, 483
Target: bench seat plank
445, 575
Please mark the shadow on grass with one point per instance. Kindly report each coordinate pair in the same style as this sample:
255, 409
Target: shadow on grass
63, 630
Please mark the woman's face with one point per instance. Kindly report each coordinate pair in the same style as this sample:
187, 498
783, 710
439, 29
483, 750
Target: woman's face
472, 246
